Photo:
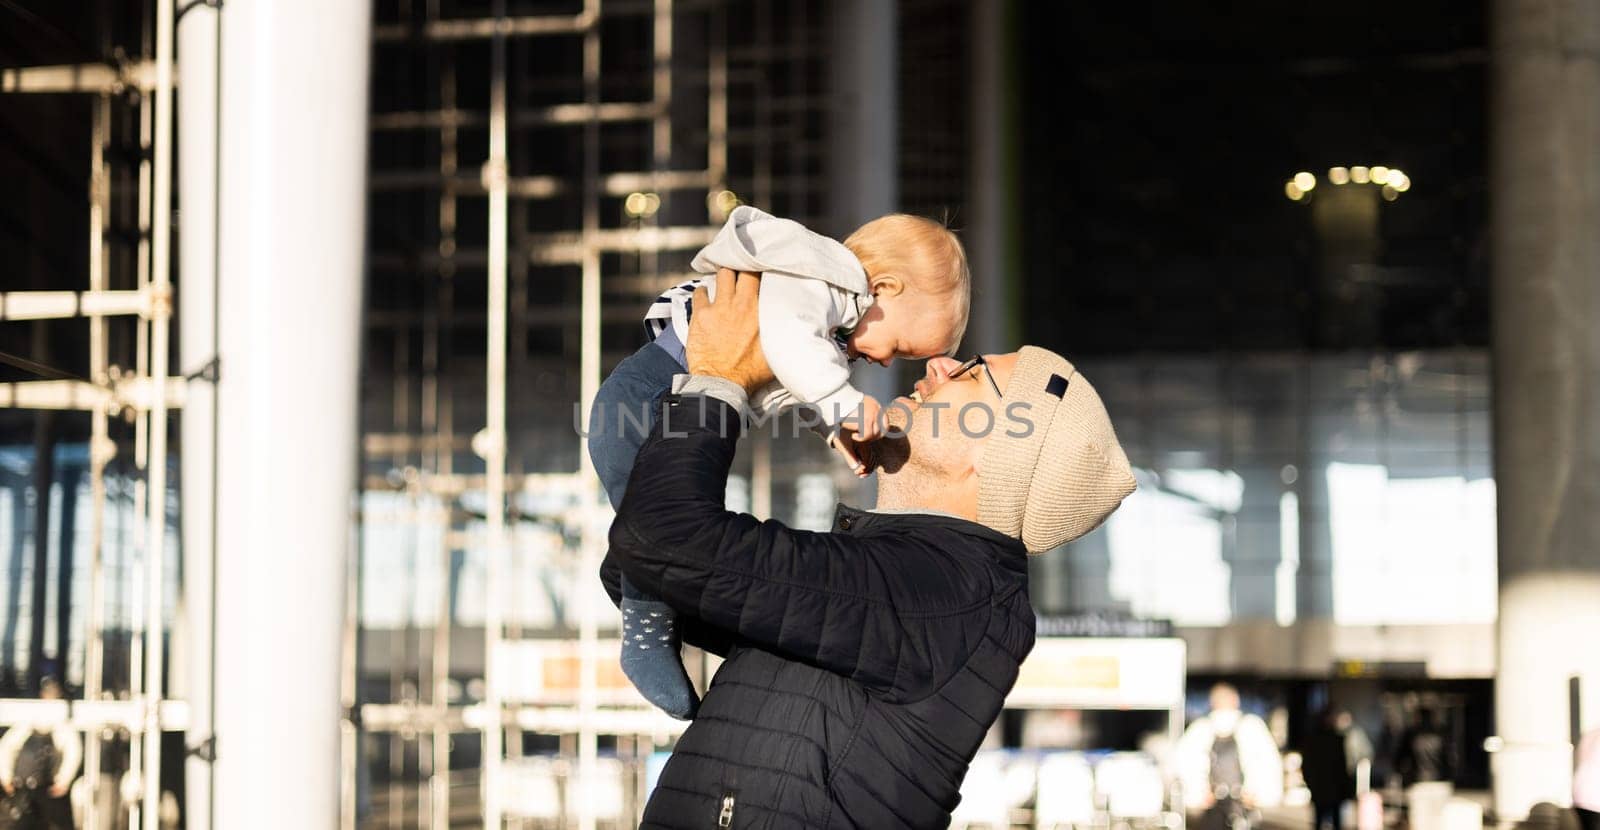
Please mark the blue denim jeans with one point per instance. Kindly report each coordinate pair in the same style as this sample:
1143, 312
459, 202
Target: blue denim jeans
626, 408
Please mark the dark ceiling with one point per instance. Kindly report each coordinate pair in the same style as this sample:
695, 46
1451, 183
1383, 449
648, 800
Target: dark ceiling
44, 167
1157, 140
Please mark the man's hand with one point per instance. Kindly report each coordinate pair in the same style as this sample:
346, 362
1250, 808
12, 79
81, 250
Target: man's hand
724, 336
58, 790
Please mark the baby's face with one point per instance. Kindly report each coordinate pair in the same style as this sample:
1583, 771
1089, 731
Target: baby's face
906, 325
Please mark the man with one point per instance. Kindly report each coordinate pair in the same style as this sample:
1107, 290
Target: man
1357, 746
1327, 768
1425, 753
863, 666
37, 766
1228, 762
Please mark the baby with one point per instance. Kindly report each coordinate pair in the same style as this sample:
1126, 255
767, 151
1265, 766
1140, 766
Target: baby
897, 287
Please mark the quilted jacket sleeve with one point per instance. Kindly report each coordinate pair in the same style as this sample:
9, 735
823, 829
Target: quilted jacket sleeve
895, 615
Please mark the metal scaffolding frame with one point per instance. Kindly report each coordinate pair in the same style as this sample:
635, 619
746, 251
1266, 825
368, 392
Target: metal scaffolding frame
748, 81
142, 391
618, 269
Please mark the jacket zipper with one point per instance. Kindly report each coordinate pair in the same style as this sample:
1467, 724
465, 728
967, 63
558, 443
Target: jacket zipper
725, 817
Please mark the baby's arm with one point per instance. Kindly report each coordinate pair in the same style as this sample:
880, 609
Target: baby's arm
797, 318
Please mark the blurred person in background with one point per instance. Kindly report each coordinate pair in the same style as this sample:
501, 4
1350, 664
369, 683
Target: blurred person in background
1228, 764
1586, 781
37, 766
864, 666
1385, 774
1357, 746
1424, 754
1328, 769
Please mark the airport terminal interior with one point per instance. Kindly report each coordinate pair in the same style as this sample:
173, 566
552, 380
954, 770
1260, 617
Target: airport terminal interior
1275, 237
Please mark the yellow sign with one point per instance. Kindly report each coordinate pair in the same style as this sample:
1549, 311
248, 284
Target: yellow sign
1102, 673
1087, 671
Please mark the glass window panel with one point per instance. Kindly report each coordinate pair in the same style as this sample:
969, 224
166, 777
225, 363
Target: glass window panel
1290, 487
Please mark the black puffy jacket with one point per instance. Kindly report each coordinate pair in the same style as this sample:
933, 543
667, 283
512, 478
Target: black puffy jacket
863, 666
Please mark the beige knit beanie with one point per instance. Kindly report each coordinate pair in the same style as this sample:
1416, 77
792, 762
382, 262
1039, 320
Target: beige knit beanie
1063, 477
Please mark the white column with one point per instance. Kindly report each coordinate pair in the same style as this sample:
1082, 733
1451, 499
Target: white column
494, 452
155, 547
292, 199
1545, 182
197, 329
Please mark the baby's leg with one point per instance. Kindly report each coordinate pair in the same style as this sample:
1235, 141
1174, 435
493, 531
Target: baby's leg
623, 414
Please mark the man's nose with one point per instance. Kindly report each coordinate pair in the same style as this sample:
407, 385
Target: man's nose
939, 368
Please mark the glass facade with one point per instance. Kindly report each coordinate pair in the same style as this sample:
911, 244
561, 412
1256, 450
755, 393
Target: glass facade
1307, 407
44, 621
1355, 488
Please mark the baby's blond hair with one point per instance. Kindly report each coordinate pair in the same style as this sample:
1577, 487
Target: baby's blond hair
926, 256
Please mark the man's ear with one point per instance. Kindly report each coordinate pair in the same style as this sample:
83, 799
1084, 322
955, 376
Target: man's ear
886, 285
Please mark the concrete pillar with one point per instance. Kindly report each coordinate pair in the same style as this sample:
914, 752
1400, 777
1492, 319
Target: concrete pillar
292, 214
197, 345
992, 236
993, 232
13, 600
864, 78
66, 548
1314, 598
1348, 297
1075, 580
44, 474
864, 142
1545, 209
1257, 545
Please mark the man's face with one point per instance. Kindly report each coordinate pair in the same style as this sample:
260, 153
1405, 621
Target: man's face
1224, 699
946, 419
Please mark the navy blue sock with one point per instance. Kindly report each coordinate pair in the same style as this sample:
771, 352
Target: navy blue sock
650, 653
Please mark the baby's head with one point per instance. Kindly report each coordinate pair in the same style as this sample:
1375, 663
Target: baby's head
917, 272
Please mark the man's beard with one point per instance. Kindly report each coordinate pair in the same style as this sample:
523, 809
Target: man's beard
916, 451
888, 454
920, 455
891, 452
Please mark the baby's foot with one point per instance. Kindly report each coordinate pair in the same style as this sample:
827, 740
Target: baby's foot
650, 657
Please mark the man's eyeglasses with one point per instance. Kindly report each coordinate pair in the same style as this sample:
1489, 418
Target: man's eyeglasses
971, 363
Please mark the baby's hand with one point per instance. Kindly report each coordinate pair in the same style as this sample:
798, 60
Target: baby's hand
867, 421
861, 427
